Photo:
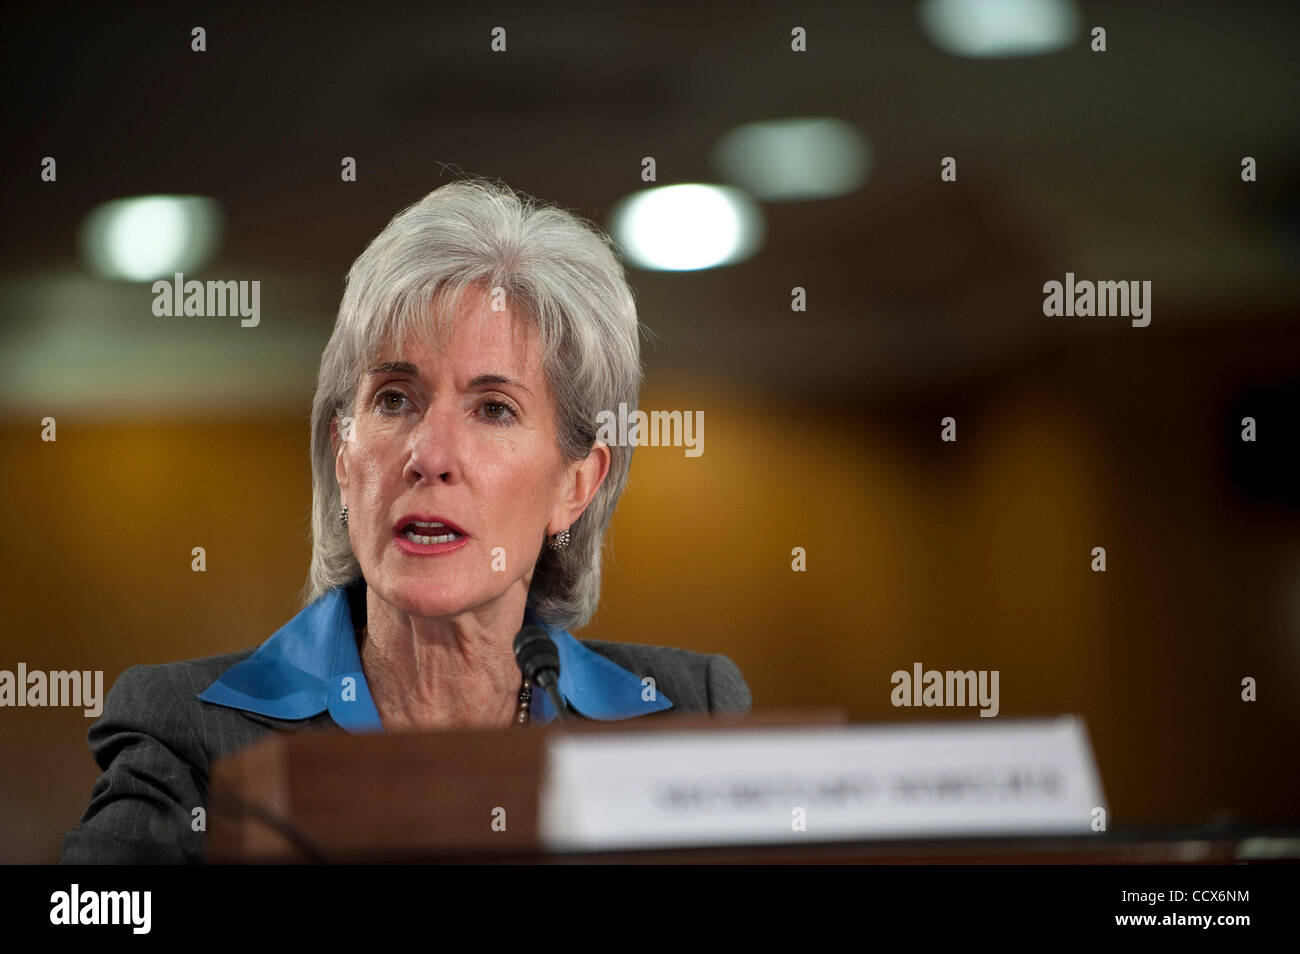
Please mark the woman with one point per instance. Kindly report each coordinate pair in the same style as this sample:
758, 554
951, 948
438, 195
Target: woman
459, 494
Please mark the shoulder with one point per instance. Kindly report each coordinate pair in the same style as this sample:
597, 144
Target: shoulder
161, 700
156, 689
154, 744
186, 675
693, 682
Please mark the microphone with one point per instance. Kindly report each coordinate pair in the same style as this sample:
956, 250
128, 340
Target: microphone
539, 661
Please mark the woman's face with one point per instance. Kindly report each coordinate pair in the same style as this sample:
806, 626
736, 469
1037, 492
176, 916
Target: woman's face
464, 435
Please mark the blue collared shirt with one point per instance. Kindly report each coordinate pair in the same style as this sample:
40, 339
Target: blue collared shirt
311, 665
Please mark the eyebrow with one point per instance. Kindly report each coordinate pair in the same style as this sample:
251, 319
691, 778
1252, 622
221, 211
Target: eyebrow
405, 367
394, 367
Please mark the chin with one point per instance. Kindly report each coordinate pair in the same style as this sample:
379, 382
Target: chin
433, 598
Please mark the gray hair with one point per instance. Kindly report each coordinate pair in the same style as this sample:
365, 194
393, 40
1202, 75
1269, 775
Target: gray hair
560, 274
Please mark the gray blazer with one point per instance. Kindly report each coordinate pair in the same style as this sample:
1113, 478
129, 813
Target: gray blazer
156, 743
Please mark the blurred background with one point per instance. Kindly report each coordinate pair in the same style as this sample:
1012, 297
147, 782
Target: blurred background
822, 427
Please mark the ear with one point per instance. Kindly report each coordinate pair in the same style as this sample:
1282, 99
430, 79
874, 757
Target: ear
581, 481
339, 446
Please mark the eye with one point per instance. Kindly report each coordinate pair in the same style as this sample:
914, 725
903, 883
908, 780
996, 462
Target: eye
497, 411
383, 396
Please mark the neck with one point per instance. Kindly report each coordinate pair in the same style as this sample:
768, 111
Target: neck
453, 672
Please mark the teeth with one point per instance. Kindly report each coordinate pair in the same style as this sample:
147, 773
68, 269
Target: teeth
416, 538
420, 523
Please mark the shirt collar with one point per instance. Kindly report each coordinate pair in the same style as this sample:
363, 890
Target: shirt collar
311, 665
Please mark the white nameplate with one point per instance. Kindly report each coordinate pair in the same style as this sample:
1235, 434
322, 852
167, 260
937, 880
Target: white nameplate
736, 786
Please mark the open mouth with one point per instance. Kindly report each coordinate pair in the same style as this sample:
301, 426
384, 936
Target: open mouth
429, 533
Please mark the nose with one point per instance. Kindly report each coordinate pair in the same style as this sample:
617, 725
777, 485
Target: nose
433, 448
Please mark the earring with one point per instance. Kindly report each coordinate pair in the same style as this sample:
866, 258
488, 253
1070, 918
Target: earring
560, 540
343, 516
